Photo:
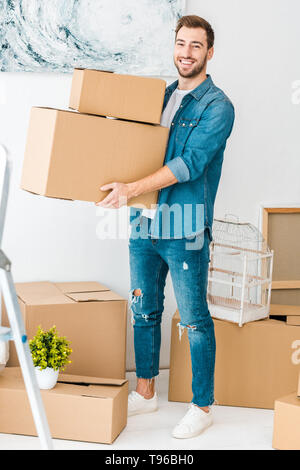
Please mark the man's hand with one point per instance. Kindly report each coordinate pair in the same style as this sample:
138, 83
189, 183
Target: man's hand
119, 196
122, 192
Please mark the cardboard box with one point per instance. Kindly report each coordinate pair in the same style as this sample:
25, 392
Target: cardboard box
293, 320
298, 391
286, 432
78, 408
71, 155
122, 96
254, 363
90, 315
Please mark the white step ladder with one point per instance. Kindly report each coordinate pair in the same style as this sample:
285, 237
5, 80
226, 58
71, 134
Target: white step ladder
17, 332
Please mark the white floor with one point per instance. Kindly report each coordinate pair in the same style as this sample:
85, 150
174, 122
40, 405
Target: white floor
233, 428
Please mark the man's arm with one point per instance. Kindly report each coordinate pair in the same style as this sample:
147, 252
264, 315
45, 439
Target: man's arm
202, 145
162, 178
158, 180
205, 140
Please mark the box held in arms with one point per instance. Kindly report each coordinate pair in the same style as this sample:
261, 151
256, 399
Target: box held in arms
117, 95
71, 155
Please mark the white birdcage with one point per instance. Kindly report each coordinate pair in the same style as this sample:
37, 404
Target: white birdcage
240, 272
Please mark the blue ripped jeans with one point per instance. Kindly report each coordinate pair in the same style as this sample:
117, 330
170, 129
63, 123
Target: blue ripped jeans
187, 259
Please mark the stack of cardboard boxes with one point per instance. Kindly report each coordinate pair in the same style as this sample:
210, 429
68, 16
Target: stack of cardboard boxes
70, 155
93, 318
259, 362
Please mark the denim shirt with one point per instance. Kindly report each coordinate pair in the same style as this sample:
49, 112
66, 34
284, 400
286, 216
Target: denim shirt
194, 154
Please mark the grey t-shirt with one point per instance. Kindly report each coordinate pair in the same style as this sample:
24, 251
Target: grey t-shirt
166, 120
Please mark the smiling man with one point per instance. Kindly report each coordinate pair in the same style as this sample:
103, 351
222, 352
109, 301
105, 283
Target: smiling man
200, 117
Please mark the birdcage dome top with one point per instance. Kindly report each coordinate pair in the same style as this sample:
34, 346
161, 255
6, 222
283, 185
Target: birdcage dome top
231, 231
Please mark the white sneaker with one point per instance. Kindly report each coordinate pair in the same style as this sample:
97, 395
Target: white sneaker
137, 404
193, 423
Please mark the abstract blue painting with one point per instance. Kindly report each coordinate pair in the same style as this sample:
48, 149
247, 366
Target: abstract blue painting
125, 36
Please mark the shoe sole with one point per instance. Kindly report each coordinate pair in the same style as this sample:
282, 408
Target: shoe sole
191, 434
142, 412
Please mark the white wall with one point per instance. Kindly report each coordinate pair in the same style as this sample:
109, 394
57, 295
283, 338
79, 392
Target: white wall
256, 63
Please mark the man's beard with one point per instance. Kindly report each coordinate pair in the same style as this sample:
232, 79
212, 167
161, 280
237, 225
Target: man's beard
195, 71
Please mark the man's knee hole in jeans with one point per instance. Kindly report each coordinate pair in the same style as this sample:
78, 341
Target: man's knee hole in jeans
181, 328
138, 292
135, 296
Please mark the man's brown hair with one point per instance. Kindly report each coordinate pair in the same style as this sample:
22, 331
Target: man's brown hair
194, 21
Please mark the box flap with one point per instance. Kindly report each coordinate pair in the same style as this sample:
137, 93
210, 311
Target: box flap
85, 390
100, 391
97, 296
89, 387
290, 399
94, 70
40, 293
85, 286
45, 292
82, 380
95, 387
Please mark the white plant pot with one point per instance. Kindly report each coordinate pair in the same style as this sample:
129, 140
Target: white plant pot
46, 378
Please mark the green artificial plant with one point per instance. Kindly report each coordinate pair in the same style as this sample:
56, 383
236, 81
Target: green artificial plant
50, 350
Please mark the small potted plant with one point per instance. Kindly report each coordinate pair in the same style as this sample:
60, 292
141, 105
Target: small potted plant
50, 353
